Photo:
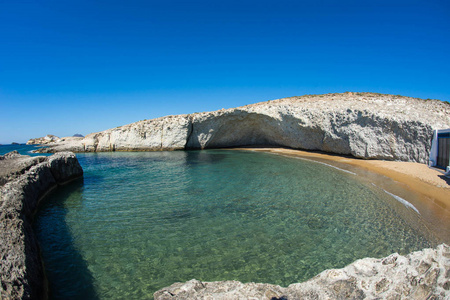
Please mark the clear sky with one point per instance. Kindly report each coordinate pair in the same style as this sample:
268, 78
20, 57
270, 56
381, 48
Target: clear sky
83, 66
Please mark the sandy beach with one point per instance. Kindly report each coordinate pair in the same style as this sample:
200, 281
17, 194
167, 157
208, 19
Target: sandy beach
426, 188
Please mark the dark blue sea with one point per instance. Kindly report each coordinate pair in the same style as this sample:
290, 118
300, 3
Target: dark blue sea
21, 148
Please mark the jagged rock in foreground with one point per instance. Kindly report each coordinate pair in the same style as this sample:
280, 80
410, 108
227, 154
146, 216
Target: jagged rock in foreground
419, 275
24, 181
364, 125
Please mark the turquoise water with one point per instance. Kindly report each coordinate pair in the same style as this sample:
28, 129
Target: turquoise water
141, 221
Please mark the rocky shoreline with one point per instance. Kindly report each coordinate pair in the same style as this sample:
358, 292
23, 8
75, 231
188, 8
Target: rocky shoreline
24, 181
363, 125
419, 275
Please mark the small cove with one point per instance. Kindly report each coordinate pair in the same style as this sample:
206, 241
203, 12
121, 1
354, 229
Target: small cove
140, 221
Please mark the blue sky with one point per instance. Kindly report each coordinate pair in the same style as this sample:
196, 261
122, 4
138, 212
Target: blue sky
81, 66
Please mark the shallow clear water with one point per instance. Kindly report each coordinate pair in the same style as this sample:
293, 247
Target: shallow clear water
141, 221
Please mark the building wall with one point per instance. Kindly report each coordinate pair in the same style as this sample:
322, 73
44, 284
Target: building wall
440, 149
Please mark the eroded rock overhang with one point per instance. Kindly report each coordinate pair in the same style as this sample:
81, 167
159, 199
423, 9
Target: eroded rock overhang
364, 125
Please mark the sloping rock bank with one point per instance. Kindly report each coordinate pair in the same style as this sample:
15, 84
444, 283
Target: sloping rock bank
420, 275
365, 125
24, 181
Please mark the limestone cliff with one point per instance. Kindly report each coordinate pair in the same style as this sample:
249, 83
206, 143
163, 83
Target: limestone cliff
23, 181
364, 125
419, 275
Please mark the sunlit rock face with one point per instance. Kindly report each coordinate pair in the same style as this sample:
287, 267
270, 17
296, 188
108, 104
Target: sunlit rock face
364, 125
418, 275
168, 133
49, 138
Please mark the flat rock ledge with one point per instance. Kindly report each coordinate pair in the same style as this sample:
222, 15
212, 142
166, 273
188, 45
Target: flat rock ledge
24, 181
419, 275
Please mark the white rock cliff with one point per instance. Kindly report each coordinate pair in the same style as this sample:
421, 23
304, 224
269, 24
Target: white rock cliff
364, 125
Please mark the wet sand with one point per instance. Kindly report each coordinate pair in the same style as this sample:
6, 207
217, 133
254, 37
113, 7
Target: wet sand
426, 188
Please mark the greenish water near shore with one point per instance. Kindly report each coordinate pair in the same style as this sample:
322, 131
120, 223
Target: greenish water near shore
141, 221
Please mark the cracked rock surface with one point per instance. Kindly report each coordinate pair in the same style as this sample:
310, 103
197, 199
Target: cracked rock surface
23, 182
419, 275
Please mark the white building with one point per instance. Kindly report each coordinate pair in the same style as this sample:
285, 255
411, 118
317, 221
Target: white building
440, 150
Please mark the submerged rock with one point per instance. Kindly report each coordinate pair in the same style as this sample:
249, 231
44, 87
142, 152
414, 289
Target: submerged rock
24, 181
364, 125
419, 275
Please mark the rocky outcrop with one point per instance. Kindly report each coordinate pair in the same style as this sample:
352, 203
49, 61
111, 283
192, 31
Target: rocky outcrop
49, 138
363, 125
24, 181
168, 133
420, 275
13, 165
